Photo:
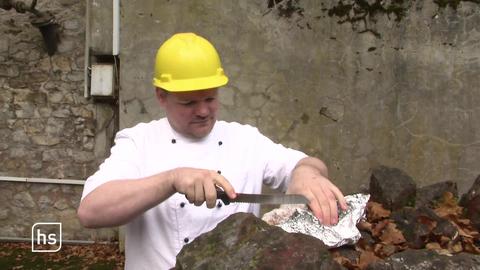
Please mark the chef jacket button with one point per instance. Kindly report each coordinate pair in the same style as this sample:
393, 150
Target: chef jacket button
186, 240
219, 172
220, 142
219, 205
182, 204
174, 141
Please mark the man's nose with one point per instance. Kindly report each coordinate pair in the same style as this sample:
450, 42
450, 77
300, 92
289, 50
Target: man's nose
202, 109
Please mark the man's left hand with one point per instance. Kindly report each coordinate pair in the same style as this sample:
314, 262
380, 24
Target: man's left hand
309, 178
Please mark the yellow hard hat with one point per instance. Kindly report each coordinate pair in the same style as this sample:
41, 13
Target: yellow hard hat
188, 62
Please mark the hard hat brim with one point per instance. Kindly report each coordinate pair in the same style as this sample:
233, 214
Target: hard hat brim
192, 84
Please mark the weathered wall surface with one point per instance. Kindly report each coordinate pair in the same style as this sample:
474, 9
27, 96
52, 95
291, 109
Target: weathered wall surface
47, 128
393, 82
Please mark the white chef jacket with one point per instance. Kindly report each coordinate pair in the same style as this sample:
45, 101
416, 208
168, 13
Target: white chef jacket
240, 153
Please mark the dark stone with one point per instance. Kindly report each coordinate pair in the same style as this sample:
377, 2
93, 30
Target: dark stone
427, 259
430, 195
366, 239
347, 252
471, 202
392, 187
243, 241
422, 225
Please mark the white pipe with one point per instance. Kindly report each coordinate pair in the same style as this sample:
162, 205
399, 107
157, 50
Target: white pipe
82, 242
41, 180
116, 27
86, 94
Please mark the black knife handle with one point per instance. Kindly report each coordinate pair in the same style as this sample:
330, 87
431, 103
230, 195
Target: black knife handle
221, 195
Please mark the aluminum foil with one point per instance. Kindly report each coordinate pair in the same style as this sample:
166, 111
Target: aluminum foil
302, 220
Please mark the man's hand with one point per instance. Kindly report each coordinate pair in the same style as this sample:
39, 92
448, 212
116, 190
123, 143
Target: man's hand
198, 185
309, 178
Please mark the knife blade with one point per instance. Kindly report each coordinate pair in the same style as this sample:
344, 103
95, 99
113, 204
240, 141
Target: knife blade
262, 198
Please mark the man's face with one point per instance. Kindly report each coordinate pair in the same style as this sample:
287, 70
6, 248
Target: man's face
192, 114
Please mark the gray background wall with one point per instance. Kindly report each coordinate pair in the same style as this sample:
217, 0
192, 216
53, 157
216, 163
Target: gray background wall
395, 88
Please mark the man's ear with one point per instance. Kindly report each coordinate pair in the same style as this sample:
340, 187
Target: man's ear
161, 96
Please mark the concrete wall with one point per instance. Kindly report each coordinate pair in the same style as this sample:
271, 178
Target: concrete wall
394, 84
47, 128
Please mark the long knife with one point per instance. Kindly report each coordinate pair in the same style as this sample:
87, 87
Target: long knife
262, 198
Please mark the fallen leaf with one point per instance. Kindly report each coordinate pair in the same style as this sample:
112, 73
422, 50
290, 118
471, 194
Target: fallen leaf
364, 226
430, 223
471, 248
384, 251
455, 247
378, 228
448, 206
433, 246
391, 235
366, 258
444, 252
375, 211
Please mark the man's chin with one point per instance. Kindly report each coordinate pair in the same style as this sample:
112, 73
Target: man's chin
201, 132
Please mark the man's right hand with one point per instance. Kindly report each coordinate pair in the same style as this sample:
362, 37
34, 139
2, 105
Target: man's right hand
198, 185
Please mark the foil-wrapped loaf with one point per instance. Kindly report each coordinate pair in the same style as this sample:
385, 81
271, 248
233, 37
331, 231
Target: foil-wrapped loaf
299, 219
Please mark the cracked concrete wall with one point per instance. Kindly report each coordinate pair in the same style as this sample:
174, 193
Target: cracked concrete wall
355, 89
47, 128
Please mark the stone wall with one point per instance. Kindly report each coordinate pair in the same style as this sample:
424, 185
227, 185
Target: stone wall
47, 128
385, 82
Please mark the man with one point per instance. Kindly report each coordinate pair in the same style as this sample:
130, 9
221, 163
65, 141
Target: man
161, 176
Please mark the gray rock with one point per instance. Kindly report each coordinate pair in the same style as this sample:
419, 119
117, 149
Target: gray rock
9, 70
61, 113
61, 204
429, 195
471, 202
44, 203
243, 241
45, 140
427, 259
392, 187
83, 156
23, 199
71, 24
4, 213
25, 110
421, 225
44, 188
20, 136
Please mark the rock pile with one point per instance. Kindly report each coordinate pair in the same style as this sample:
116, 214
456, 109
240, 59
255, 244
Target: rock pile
415, 228
406, 228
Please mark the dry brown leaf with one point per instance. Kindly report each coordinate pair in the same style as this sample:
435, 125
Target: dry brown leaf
363, 244
471, 248
433, 246
366, 258
430, 223
448, 206
444, 240
391, 235
364, 226
463, 221
455, 247
378, 228
341, 260
385, 250
443, 252
465, 232
375, 211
